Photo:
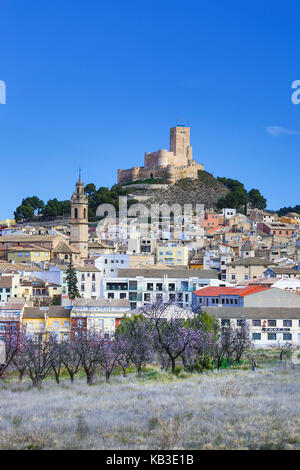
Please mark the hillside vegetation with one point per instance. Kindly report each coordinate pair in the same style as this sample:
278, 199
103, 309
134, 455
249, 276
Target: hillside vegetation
213, 192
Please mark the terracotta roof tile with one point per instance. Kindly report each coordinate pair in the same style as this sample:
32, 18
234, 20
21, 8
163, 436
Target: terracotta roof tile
217, 291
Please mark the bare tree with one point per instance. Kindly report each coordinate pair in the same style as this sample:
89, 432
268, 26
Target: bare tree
123, 352
107, 357
11, 346
241, 340
70, 357
88, 347
38, 355
282, 348
56, 356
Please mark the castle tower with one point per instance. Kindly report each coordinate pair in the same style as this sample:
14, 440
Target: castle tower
79, 220
180, 142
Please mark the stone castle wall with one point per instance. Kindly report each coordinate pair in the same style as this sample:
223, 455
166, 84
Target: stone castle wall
169, 173
170, 165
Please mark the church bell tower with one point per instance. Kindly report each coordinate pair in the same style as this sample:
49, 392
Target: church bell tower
79, 220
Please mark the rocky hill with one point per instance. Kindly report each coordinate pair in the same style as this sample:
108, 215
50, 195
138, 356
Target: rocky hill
205, 190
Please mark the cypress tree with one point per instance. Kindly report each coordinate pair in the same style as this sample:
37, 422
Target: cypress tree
72, 281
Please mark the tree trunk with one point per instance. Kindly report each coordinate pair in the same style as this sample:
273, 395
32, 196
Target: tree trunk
173, 364
107, 375
37, 383
89, 378
21, 375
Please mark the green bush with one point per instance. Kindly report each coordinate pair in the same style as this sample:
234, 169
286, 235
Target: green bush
201, 364
178, 370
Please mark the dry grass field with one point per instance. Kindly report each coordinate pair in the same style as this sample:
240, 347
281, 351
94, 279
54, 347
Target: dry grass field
229, 409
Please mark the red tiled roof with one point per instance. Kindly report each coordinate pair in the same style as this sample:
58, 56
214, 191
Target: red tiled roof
241, 292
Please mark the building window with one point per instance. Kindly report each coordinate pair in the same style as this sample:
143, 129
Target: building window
241, 322
256, 336
225, 322
272, 323
287, 322
287, 337
272, 336
256, 322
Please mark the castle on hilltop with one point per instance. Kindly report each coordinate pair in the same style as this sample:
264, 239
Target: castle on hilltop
172, 165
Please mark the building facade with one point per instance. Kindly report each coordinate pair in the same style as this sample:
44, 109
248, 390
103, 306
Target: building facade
141, 286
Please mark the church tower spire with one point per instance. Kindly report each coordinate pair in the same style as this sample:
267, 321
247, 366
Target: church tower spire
79, 219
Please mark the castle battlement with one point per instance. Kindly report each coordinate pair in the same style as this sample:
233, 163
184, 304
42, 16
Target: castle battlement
171, 165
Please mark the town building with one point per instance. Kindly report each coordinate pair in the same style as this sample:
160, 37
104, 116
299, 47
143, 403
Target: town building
10, 318
172, 254
28, 254
142, 286
244, 269
100, 315
223, 296
268, 326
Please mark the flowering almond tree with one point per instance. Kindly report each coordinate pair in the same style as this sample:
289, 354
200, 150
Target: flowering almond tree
89, 350
139, 338
170, 329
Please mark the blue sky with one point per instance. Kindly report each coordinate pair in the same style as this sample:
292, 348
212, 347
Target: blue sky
96, 84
